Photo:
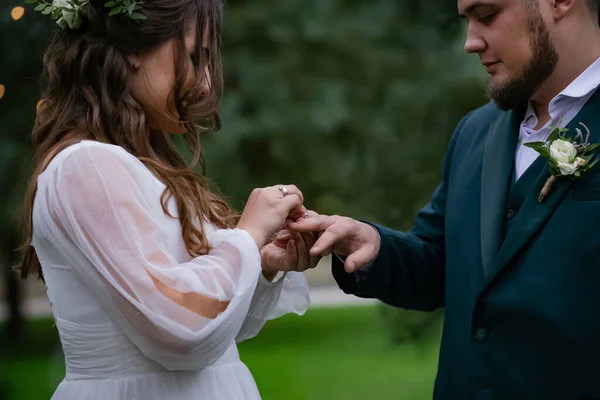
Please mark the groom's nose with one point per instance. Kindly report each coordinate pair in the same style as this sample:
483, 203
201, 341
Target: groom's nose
474, 43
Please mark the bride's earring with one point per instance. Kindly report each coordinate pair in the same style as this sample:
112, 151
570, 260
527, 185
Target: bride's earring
134, 65
134, 62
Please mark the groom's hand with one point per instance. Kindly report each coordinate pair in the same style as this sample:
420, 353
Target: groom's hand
344, 236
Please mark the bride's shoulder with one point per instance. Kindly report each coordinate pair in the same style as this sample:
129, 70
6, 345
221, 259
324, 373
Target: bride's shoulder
88, 154
89, 148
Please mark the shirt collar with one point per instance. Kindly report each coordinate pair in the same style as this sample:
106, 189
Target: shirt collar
586, 83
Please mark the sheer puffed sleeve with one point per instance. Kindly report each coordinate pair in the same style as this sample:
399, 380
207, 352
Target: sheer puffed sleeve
100, 204
288, 294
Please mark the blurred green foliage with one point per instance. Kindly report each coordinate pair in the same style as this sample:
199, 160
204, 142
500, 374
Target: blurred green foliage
352, 101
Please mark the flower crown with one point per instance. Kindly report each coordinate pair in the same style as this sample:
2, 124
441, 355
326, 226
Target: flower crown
67, 13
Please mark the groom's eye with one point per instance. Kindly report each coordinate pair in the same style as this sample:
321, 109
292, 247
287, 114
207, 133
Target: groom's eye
487, 19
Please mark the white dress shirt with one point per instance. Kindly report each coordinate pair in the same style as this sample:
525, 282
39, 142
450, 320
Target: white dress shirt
565, 106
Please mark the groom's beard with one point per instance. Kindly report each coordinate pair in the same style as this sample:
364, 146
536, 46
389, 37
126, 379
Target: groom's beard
517, 91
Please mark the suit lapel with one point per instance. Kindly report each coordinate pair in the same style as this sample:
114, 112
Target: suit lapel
496, 177
532, 214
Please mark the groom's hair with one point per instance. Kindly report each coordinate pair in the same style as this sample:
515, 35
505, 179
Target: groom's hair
593, 5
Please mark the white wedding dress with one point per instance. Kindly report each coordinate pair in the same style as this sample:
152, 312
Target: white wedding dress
105, 243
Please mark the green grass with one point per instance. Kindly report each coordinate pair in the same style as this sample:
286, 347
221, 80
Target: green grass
331, 354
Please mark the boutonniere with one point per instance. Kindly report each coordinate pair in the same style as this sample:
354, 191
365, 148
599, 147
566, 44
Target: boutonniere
568, 156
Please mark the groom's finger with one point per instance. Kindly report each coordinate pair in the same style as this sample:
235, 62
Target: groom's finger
358, 259
313, 224
324, 245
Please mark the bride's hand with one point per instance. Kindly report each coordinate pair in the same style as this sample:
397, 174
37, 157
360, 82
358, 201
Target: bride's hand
267, 211
289, 252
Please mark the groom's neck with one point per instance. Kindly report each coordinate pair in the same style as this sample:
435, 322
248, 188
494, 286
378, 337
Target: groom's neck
575, 56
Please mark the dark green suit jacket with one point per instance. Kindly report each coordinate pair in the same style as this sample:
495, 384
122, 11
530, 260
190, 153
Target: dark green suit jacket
522, 308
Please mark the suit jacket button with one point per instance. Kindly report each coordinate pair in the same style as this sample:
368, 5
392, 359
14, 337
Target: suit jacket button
510, 214
481, 334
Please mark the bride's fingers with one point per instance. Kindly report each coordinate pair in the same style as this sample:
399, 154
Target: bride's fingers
311, 214
291, 204
297, 213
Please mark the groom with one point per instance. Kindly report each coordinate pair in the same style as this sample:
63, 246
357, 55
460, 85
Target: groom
519, 279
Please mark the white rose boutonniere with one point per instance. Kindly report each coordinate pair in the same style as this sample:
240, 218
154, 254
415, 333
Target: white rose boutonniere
568, 157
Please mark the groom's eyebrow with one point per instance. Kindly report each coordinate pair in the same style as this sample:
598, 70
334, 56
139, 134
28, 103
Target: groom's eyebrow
472, 8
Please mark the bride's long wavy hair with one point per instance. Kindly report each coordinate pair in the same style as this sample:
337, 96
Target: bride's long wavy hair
87, 96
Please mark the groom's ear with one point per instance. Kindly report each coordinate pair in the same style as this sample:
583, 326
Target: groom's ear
561, 8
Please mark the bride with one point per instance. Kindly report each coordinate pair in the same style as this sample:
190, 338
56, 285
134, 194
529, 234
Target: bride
152, 277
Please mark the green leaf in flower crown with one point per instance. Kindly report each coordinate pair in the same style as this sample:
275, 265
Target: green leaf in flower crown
115, 10
110, 4
41, 6
577, 174
138, 16
47, 10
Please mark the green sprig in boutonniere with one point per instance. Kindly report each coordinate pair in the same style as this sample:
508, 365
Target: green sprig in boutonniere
568, 157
